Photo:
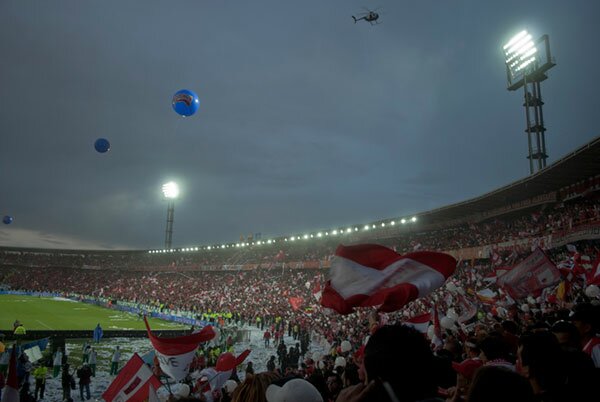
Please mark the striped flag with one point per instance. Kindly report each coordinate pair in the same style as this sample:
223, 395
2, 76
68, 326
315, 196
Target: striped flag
372, 275
176, 354
420, 322
133, 382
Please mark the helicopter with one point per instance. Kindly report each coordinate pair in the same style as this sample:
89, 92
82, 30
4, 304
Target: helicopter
371, 16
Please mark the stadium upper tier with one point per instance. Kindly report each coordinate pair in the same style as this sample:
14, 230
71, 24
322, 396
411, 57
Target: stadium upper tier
557, 201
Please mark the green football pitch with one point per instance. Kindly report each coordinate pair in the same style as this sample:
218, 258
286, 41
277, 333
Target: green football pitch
43, 313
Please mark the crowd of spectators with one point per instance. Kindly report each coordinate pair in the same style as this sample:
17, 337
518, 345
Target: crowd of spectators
487, 345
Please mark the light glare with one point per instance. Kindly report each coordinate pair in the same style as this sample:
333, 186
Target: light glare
170, 190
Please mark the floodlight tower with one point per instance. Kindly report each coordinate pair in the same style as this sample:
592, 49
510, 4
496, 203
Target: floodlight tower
171, 192
526, 65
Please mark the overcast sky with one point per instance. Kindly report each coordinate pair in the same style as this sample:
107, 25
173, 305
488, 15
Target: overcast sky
307, 121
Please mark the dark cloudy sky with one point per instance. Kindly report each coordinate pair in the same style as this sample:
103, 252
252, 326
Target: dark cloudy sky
307, 120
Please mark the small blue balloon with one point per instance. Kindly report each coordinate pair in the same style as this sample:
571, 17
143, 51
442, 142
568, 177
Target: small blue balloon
185, 102
102, 145
7, 219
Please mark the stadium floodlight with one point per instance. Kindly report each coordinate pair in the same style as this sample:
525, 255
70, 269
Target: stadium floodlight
527, 61
382, 224
293, 238
305, 237
413, 219
519, 52
171, 192
392, 223
348, 230
366, 227
334, 232
319, 234
403, 221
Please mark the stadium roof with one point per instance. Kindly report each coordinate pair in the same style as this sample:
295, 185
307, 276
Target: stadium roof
578, 165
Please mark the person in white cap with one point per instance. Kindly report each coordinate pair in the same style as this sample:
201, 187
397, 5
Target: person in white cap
296, 390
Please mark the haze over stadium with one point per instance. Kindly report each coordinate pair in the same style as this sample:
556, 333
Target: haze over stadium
301, 111
364, 202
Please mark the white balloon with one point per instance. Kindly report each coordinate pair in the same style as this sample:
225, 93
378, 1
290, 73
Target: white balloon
346, 346
447, 322
592, 291
307, 285
339, 362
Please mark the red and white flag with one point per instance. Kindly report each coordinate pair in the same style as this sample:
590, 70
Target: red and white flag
152, 395
133, 382
373, 275
10, 393
467, 309
420, 322
593, 276
176, 354
530, 276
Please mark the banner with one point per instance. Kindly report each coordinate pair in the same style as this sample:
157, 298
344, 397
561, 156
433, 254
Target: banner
531, 275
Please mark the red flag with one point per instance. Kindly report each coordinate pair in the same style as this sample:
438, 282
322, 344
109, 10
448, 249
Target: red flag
420, 322
370, 275
133, 382
531, 275
10, 393
296, 302
176, 354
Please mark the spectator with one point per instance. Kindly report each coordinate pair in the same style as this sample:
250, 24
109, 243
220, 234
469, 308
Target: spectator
40, 373
585, 318
499, 384
114, 362
84, 374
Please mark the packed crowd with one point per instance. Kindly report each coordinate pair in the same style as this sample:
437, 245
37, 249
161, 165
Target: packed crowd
548, 219
480, 344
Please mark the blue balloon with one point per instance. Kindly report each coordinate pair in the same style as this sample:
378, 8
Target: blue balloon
185, 102
102, 145
7, 219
